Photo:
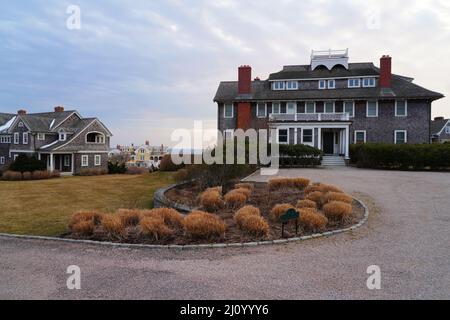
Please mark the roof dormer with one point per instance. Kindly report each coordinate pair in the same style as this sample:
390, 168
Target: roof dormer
329, 59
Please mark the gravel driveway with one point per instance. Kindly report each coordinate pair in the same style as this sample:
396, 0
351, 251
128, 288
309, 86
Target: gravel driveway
407, 235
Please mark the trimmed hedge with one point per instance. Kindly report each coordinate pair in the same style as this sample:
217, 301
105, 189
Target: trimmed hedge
24, 163
300, 155
401, 156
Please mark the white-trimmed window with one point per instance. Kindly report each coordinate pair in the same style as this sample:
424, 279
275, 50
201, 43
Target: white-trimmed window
283, 136
349, 107
360, 136
15, 157
307, 136
41, 136
97, 160
369, 82
322, 84
400, 136
276, 108
354, 83
291, 107
2, 160
401, 108
5, 139
66, 160
372, 109
25, 137
261, 110
278, 85
62, 135
228, 110
332, 84
329, 106
16, 137
447, 129
310, 107
84, 160
228, 134
20, 125
292, 85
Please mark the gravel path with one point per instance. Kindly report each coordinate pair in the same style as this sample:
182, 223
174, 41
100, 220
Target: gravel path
407, 235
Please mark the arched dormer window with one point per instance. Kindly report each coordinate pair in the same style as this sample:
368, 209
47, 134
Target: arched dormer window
95, 137
62, 135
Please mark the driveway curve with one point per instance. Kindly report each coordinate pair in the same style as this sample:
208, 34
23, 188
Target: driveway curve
407, 236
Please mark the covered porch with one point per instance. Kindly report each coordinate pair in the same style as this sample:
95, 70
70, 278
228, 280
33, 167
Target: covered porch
62, 162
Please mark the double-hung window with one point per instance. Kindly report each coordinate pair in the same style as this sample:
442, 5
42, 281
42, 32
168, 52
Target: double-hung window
349, 107
276, 108
291, 85
5, 139
307, 135
228, 110
401, 108
283, 136
261, 110
16, 137
329, 107
360, 136
400, 136
98, 160
278, 85
84, 160
369, 82
291, 107
25, 137
41, 136
322, 84
354, 83
310, 107
372, 109
332, 84
66, 160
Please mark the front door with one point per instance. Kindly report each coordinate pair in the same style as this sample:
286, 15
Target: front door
328, 142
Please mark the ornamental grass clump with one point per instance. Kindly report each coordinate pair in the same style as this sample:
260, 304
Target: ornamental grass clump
279, 183
171, 217
316, 196
154, 227
306, 204
211, 200
336, 210
317, 187
249, 186
311, 220
244, 191
255, 226
84, 228
336, 196
242, 214
129, 217
203, 225
235, 199
330, 188
300, 183
83, 216
113, 225
280, 209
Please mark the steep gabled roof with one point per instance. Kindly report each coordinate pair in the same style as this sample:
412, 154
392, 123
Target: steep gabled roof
6, 120
437, 126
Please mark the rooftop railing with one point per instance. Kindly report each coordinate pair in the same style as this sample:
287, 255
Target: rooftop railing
309, 117
320, 54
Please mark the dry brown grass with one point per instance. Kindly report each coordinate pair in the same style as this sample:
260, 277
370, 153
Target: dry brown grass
244, 191
235, 200
315, 196
330, 188
242, 214
285, 183
313, 188
255, 226
129, 217
300, 183
171, 217
12, 176
249, 186
113, 225
83, 216
211, 200
336, 210
84, 228
218, 189
311, 220
279, 209
203, 225
306, 204
336, 196
154, 227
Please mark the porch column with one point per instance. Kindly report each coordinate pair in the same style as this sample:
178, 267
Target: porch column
51, 162
296, 134
319, 139
347, 143
71, 163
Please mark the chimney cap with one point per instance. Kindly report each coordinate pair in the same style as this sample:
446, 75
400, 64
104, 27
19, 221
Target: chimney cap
438, 118
59, 109
22, 112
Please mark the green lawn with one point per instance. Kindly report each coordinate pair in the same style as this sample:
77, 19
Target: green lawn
44, 207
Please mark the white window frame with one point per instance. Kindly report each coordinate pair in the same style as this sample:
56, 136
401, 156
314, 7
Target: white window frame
15, 157
350, 85
225, 110
352, 115
306, 107
5, 139
367, 109
24, 137
295, 107
398, 131
85, 160
295, 87
279, 107
16, 137
278, 85
2, 160
67, 160
369, 85
359, 131
97, 160
303, 136
324, 86
20, 125
331, 81
229, 131
62, 135
257, 110
406, 108
41, 136
278, 136
325, 107
447, 129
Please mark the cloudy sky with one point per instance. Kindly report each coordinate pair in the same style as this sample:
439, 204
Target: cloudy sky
148, 67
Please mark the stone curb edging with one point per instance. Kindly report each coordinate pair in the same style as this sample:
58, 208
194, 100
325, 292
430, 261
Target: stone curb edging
200, 246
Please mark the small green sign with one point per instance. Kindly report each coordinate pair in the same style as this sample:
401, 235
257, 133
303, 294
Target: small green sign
291, 214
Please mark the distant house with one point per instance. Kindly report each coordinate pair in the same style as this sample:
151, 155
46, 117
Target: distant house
144, 156
440, 130
67, 142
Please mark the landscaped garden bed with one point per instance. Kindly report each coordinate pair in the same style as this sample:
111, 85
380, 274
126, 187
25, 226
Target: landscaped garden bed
234, 213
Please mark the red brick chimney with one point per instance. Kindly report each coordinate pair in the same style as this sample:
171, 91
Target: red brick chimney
59, 109
245, 80
385, 71
22, 112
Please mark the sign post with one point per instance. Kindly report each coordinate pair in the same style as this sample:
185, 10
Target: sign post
291, 214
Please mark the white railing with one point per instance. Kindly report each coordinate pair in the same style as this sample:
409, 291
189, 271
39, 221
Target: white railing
309, 117
318, 54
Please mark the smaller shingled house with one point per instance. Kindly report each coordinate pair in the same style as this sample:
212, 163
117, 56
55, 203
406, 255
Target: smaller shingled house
67, 142
440, 130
